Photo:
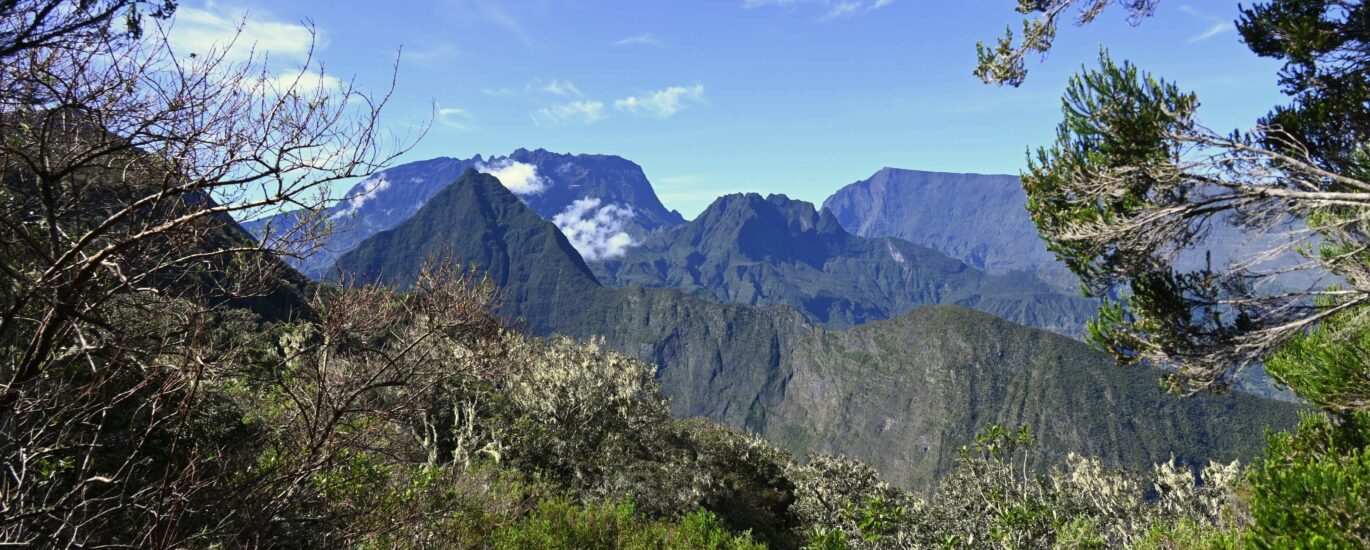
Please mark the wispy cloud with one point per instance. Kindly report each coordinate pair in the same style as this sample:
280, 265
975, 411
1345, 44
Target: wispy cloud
216, 28
495, 14
832, 9
1215, 30
304, 82
1216, 27
561, 88
437, 52
646, 39
662, 103
843, 9
458, 119
581, 111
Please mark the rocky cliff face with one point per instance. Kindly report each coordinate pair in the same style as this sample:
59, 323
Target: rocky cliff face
978, 219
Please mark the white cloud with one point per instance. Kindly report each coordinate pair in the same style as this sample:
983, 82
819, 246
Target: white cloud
1216, 26
518, 177
843, 9
453, 117
303, 82
662, 103
562, 88
1215, 30
368, 190
645, 38
596, 231
199, 31
576, 111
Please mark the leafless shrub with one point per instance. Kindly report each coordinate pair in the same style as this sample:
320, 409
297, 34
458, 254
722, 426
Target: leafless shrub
123, 167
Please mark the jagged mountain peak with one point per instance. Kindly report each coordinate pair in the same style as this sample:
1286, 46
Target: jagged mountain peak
603, 203
728, 214
773, 250
477, 221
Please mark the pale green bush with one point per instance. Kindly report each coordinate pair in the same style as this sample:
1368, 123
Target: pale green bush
996, 499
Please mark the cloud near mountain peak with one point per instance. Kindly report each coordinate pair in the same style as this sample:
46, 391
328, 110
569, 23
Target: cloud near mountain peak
520, 178
597, 232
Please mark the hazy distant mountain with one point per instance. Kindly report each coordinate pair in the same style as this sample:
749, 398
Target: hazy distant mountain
903, 394
979, 219
604, 204
773, 251
983, 220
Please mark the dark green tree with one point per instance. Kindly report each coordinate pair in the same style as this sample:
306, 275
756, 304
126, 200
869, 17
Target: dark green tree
1134, 180
1006, 62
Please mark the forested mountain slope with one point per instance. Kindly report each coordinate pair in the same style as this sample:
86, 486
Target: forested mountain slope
902, 394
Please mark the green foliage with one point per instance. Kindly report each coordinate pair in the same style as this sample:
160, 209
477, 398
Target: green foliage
559, 525
1134, 181
589, 411
1330, 365
1187, 534
1313, 488
837, 494
750, 489
1322, 44
1118, 123
995, 498
1005, 63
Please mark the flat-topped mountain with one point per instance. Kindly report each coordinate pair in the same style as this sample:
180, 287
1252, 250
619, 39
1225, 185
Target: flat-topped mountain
768, 251
979, 219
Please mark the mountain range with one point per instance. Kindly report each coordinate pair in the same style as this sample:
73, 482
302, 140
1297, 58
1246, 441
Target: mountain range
903, 394
744, 248
768, 251
604, 203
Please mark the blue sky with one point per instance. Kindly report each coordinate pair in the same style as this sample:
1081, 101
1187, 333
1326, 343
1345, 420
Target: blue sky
717, 96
